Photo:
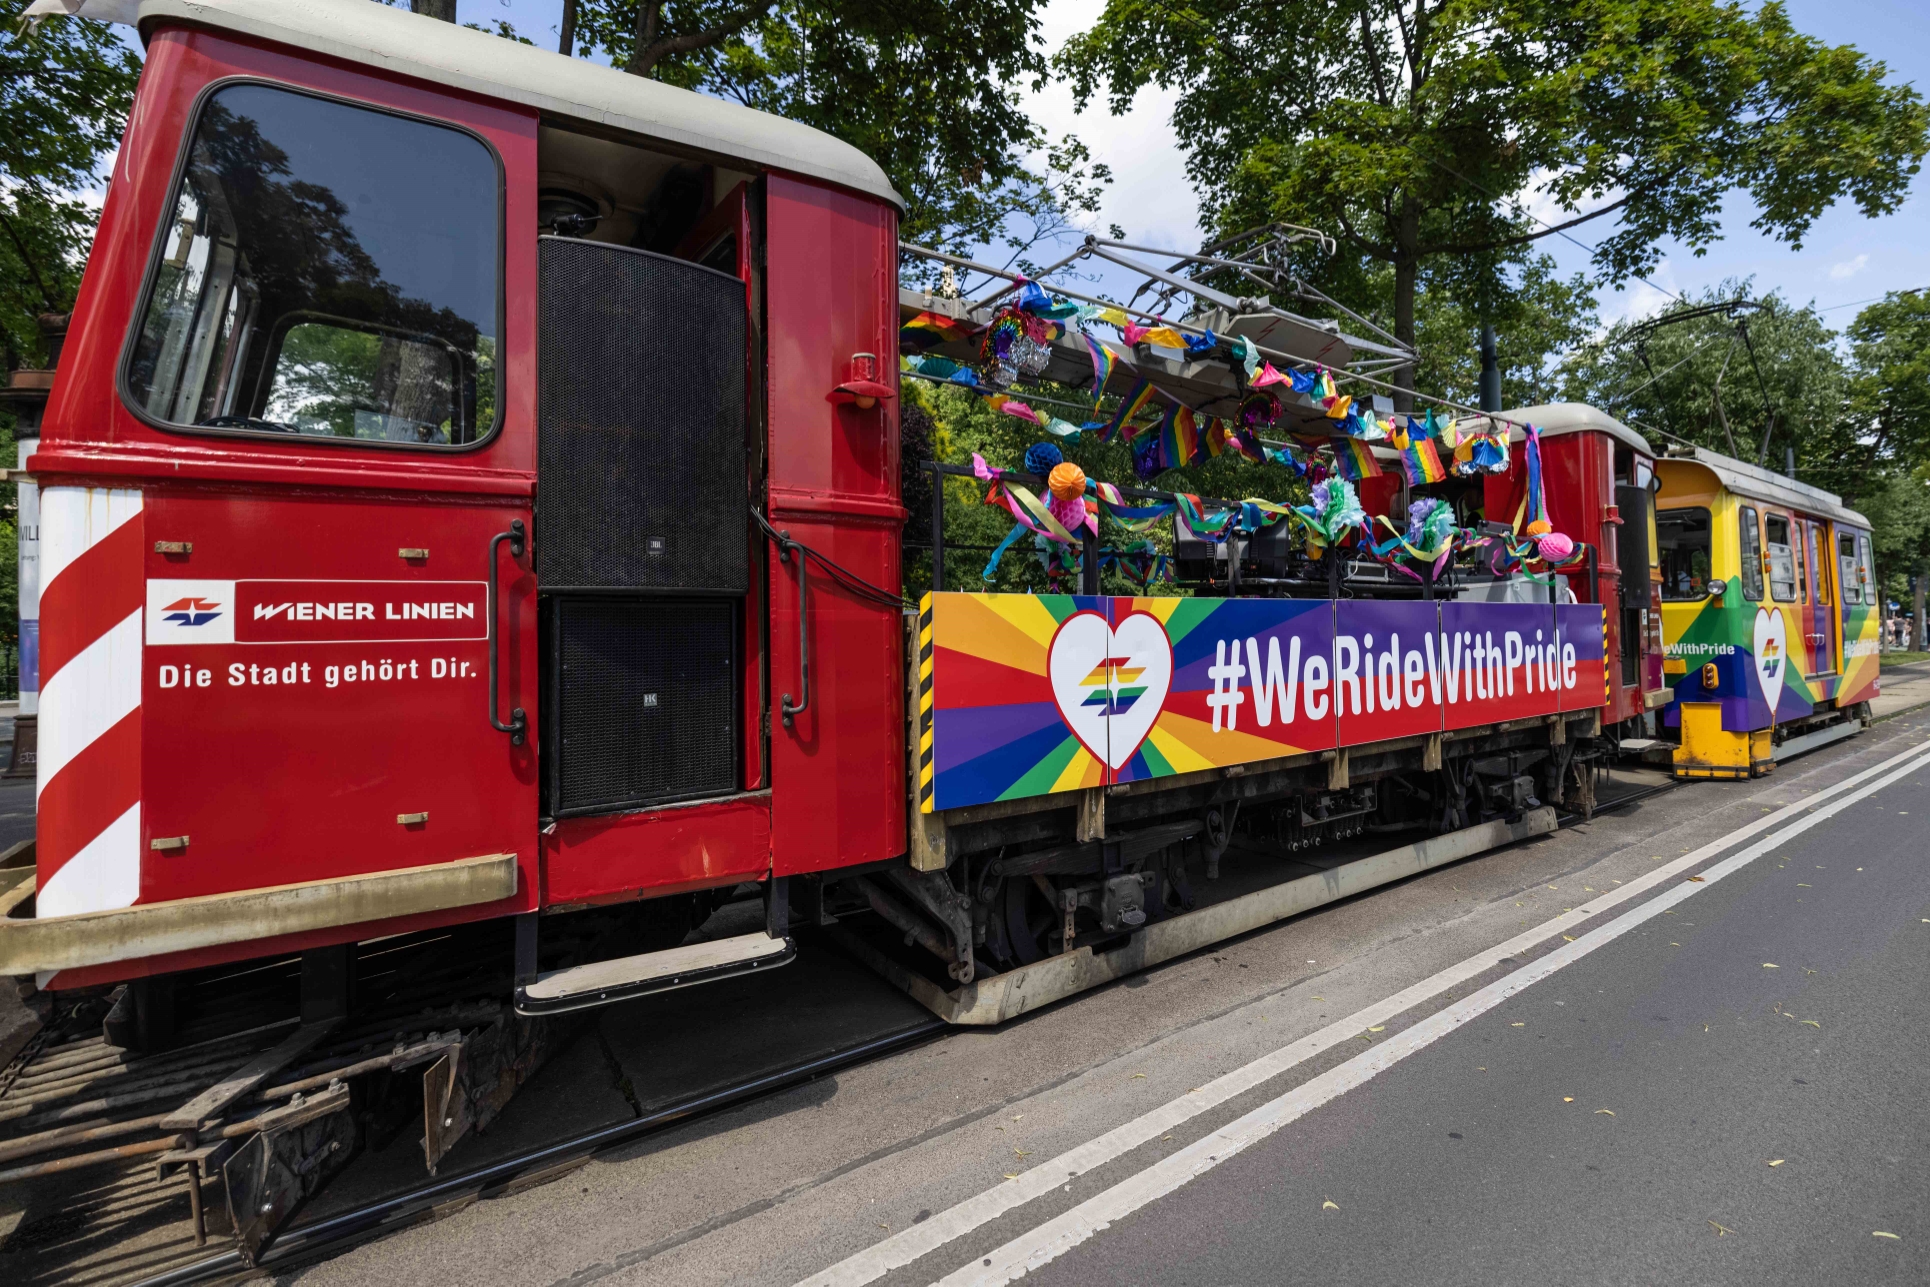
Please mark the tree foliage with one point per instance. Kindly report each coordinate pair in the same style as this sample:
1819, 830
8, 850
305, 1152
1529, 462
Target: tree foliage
1405, 127
65, 88
927, 88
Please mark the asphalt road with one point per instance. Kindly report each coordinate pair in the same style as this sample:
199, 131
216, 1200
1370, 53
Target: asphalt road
1615, 1123
1479, 1156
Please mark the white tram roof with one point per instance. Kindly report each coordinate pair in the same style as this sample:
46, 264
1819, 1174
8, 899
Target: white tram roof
401, 43
1757, 483
1557, 418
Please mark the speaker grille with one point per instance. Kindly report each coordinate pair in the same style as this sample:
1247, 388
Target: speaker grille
645, 703
640, 422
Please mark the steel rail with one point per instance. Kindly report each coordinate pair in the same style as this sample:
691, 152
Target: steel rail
301, 1243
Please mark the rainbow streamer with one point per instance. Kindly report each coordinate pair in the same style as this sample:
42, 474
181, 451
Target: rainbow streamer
1355, 459
1129, 406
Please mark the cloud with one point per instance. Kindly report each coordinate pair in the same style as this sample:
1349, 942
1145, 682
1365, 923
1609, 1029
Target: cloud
1848, 268
1638, 300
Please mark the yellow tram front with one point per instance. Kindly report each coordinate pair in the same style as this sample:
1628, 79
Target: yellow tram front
1769, 614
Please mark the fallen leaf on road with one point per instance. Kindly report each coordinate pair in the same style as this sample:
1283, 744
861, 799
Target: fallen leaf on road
1777, 1162
1381, 1028
1568, 938
1878, 1233
1017, 1118
1320, 998
1609, 1111
1588, 889
1771, 965
1696, 880
1165, 1139
1812, 1023
1330, 1205
1010, 1175
1517, 1025
1480, 1070
1675, 945
1801, 885
1021, 1152
1712, 1224
1135, 1075
1567, 1099
1552, 887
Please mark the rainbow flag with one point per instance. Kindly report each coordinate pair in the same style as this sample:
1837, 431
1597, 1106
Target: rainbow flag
927, 329
1215, 438
1102, 361
1354, 459
1421, 462
1179, 437
1129, 406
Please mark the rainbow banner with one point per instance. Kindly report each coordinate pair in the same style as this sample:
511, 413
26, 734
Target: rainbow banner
1102, 363
1029, 695
928, 329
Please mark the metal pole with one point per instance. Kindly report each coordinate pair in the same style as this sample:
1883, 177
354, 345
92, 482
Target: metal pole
1490, 371
1089, 561
937, 530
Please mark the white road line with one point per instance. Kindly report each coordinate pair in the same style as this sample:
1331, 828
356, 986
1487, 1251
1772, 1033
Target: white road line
954, 1222
1057, 1236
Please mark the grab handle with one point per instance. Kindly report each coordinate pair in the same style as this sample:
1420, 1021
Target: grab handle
518, 724
788, 549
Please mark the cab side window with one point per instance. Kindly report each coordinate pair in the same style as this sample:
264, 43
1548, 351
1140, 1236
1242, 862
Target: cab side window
328, 270
1846, 569
1750, 559
1782, 559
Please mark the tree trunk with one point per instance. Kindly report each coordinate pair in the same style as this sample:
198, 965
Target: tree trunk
566, 37
445, 10
1406, 275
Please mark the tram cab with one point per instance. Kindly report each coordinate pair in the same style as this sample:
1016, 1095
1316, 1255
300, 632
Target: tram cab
1769, 614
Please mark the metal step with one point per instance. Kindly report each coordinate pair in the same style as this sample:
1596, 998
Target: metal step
1822, 737
602, 982
1649, 750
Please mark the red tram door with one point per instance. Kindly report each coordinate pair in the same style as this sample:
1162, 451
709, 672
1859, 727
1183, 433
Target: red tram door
1819, 617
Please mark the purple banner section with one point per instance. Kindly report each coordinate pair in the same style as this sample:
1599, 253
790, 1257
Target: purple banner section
1582, 662
1500, 662
1387, 676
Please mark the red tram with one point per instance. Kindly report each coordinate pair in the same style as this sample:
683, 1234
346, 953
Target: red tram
405, 494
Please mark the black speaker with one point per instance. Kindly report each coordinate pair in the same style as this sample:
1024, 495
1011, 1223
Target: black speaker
640, 447
644, 702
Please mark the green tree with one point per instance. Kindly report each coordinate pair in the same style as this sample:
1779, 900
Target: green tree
65, 87
927, 88
1406, 127
1717, 378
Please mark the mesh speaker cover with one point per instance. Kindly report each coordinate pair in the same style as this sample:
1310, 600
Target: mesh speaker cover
645, 703
639, 423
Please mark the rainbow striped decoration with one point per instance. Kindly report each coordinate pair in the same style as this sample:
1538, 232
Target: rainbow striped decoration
1179, 437
927, 329
1354, 459
1129, 406
1102, 361
1421, 462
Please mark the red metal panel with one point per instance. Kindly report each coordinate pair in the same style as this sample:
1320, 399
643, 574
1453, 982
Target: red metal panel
597, 860
839, 777
288, 754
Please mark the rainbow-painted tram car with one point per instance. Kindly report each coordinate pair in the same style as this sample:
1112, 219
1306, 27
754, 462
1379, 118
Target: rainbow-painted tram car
1769, 614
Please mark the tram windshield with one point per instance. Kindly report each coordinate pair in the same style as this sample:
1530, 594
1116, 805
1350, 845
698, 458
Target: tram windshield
1682, 538
328, 270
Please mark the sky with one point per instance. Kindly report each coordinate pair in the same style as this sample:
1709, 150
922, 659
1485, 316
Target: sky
1846, 259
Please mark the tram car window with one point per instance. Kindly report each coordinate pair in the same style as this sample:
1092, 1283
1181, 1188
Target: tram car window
1803, 583
1750, 560
1818, 566
326, 270
1846, 568
1782, 559
1682, 535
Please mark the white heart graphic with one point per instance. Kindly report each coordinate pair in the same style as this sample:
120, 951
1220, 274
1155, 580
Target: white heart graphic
1772, 655
1110, 683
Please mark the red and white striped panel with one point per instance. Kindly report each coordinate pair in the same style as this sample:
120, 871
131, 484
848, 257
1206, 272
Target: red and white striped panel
88, 850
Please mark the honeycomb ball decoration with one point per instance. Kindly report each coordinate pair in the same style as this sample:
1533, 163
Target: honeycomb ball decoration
1042, 457
1540, 527
1556, 547
1067, 481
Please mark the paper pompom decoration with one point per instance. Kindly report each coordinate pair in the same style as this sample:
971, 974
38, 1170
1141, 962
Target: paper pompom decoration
1556, 547
1540, 527
1066, 481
